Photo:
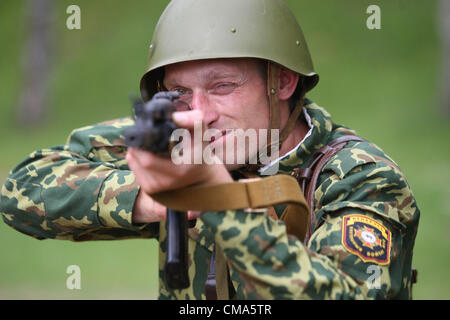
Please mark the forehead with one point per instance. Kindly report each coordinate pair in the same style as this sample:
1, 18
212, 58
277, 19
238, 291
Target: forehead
211, 69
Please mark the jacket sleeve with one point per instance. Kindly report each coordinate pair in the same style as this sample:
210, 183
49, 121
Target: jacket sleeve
361, 247
79, 191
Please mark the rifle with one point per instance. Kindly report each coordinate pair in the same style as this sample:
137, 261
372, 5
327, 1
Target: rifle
151, 132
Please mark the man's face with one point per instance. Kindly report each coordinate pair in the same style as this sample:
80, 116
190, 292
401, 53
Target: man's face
231, 93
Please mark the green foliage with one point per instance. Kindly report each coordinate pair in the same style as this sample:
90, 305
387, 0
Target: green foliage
383, 83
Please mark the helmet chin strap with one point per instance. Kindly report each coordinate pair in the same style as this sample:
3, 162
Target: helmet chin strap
273, 80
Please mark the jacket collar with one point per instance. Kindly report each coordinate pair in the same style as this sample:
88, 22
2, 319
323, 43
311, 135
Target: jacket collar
318, 136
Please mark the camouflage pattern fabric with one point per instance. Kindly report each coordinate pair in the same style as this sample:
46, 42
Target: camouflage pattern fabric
364, 226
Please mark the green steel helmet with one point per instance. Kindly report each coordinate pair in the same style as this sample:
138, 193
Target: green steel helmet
209, 29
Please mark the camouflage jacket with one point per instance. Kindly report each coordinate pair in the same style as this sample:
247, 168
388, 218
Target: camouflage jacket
366, 217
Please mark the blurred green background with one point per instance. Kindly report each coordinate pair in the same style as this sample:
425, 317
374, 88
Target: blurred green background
383, 83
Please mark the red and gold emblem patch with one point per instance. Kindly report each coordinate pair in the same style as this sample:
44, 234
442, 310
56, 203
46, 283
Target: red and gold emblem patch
367, 238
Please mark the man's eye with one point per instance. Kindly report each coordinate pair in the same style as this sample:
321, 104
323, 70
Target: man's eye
226, 84
181, 91
224, 88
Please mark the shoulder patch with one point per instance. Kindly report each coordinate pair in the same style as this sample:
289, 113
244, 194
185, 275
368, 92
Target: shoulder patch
366, 238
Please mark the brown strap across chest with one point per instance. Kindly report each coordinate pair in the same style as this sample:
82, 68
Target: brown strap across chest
308, 177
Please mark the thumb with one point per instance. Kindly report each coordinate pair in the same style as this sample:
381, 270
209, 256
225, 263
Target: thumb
187, 119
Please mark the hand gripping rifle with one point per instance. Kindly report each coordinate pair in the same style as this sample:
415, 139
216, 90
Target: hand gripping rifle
151, 132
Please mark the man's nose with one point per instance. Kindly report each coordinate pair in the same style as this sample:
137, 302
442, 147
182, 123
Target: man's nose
201, 101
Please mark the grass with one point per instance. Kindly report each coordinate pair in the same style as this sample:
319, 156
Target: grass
383, 83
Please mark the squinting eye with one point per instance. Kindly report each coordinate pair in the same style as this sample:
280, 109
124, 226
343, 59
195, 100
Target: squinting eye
181, 91
225, 87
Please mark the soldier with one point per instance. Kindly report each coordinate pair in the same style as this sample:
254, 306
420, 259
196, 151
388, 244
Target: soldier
237, 65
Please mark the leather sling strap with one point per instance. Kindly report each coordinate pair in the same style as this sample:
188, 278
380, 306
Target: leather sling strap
243, 194
218, 284
210, 284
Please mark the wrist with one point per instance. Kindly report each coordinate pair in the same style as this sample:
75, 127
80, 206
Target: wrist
147, 210
142, 206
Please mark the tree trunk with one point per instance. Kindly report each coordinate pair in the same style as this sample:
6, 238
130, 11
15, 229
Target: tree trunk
444, 13
36, 61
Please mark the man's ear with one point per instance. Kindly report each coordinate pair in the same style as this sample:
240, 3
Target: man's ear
288, 83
